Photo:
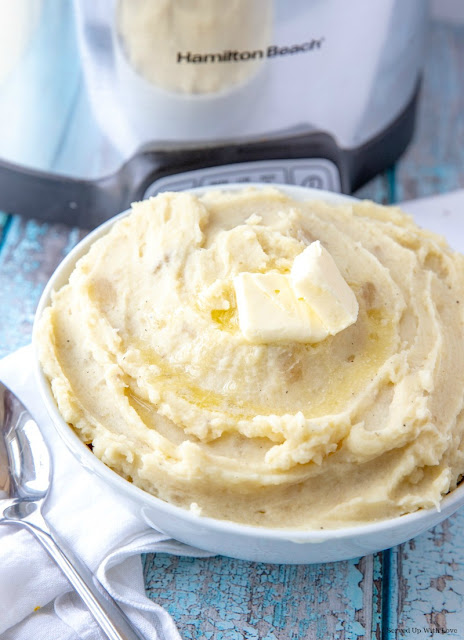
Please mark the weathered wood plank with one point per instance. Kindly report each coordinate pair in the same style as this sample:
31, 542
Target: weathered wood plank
30, 251
229, 599
427, 584
434, 163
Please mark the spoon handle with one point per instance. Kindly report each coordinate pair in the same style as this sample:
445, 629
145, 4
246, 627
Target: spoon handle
106, 612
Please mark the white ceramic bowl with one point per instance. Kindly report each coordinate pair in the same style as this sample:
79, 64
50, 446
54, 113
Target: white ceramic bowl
290, 546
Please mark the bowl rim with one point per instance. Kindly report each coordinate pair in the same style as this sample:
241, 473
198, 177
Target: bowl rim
447, 506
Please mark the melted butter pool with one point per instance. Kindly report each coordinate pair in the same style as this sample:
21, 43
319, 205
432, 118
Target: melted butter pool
332, 373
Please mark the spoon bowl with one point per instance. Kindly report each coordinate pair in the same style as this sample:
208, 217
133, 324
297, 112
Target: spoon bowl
24, 458
25, 479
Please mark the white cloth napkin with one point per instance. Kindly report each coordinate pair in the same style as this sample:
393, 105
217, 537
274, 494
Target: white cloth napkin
36, 600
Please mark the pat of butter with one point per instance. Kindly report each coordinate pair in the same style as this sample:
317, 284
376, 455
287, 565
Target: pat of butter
270, 311
316, 278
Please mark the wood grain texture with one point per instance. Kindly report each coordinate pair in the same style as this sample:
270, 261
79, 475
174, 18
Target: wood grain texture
434, 162
229, 599
29, 253
426, 588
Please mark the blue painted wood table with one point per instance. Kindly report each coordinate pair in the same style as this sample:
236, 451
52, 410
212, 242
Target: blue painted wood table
415, 590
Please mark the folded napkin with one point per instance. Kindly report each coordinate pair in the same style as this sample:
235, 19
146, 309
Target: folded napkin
36, 600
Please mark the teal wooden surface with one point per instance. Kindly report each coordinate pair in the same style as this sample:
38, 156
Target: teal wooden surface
415, 590
434, 163
229, 599
429, 581
29, 253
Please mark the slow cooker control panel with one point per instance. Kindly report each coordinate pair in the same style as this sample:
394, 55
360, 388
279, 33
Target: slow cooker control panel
318, 173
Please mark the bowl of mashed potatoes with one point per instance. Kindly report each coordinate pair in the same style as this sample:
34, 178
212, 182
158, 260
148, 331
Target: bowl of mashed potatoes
270, 373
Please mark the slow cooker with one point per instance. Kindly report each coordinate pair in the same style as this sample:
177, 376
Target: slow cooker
107, 102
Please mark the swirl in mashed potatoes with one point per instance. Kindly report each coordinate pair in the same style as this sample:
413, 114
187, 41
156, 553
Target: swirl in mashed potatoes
147, 362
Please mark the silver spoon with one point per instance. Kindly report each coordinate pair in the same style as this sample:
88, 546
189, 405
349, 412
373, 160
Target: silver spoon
25, 476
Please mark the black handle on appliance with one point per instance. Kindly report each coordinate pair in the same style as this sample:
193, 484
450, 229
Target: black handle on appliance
88, 203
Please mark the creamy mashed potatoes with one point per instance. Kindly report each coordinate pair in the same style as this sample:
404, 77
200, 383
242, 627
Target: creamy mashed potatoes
147, 362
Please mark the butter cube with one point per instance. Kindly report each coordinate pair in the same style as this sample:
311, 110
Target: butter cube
269, 311
315, 277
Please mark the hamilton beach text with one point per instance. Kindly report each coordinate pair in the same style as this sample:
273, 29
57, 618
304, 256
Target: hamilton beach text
229, 55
